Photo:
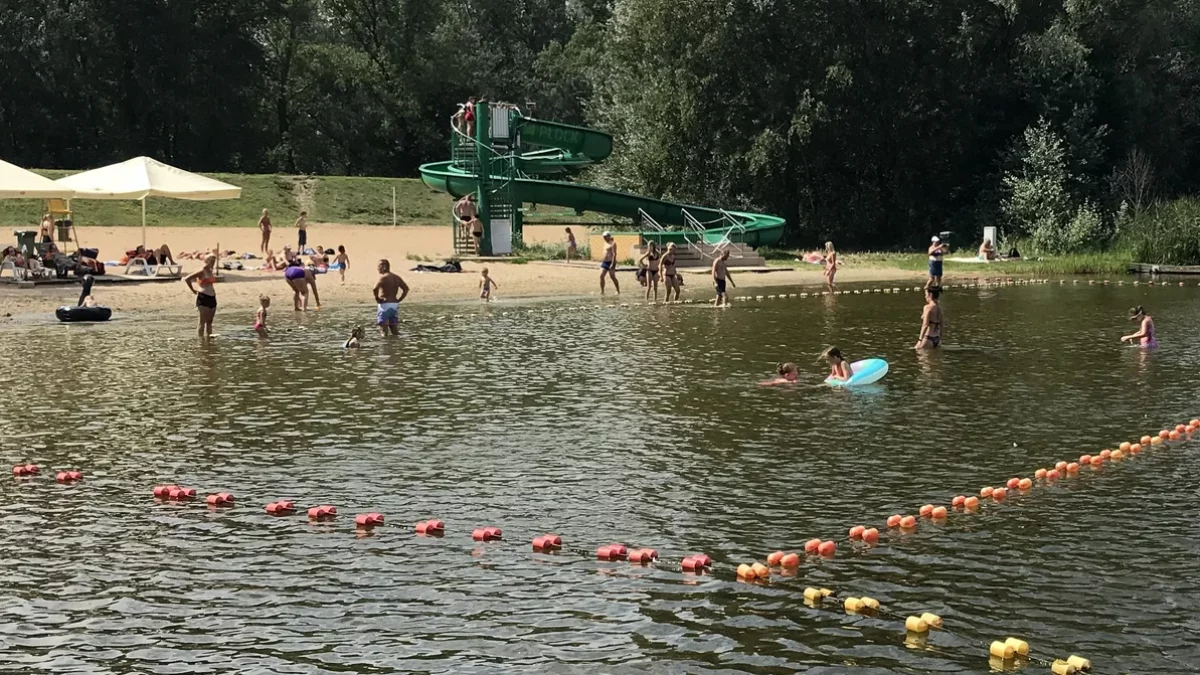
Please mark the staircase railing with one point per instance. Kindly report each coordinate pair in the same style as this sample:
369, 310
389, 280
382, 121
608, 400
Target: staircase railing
463, 149
649, 223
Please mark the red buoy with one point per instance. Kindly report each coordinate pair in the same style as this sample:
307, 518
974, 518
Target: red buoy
856, 532
812, 545
827, 548
368, 520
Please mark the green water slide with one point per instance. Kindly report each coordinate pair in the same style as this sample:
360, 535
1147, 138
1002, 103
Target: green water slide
517, 163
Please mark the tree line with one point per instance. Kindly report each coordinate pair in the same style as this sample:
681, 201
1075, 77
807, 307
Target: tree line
869, 121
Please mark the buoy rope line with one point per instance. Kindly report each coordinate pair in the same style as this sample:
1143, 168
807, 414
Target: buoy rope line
977, 283
1011, 652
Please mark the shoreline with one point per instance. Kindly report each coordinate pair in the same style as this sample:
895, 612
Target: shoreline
239, 291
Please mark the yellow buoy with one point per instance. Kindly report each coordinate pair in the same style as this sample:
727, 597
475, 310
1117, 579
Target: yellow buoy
1079, 662
933, 620
916, 624
870, 603
853, 605
1001, 650
825, 592
812, 594
1060, 667
1021, 647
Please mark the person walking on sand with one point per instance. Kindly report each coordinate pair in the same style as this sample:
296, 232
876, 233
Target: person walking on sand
300, 279
572, 249
264, 224
302, 231
389, 292
608, 265
486, 284
206, 295
720, 275
931, 321
342, 261
830, 263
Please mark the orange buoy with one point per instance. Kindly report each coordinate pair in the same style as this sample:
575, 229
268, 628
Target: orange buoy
281, 508
999, 494
366, 521
1072, 468
643, 556
1135, 448
744, 571
1053, 474
1117, 455
1060, 466
690, 564
870, 535
163, 491
1084, 460
219, 499
1105, 454
1013, 483
958, 501
1145, 440
775, 558
827, 548
1024, 484
1156, 441
856, 532
893, 521
908, 523
1174, 435
986, 492
926, 510
324, 512
1180, 428
1097, 461
812, 545
971, 503
1195, 423
939, 513
790, 560
1039, 474
760, 570
1164, 434
1124, 447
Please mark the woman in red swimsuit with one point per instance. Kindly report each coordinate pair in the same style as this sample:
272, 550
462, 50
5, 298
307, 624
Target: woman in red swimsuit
206, 295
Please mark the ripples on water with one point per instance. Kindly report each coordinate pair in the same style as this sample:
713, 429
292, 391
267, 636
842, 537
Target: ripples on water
641, 425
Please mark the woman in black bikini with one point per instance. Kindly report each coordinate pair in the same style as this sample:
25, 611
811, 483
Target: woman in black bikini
931, 321
650, 261
669, 276
206, 296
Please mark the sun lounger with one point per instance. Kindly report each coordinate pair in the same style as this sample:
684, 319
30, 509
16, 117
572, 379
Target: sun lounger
140, 266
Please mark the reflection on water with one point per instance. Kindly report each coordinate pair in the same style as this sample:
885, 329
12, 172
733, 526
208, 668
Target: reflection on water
641, 425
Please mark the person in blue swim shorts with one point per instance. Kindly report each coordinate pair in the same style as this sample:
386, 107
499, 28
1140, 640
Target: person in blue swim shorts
608, 264
389, 292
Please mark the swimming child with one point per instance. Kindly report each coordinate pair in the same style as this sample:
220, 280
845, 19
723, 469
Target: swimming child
485, 285
356, 337
342, 261
839, 367
788, 372
1146, 334
260, 317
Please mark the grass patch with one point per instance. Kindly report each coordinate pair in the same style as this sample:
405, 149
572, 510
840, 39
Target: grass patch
328, 199
542, 251
1114, 261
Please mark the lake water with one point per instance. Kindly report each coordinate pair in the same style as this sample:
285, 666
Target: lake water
640, 425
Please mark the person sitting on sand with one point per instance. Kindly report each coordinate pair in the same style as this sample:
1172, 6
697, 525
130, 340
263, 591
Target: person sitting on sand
987, 251
272, 263
1145, 335
839, 368
788, 372
355, 340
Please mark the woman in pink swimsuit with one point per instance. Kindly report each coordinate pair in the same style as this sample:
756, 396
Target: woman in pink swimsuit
1146, 334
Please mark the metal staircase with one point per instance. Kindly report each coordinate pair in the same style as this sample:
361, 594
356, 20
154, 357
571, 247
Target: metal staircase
497, 181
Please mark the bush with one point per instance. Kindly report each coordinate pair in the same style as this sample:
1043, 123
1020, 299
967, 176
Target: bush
1167, 233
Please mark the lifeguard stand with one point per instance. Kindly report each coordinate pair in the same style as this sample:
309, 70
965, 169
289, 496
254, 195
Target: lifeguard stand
64, 226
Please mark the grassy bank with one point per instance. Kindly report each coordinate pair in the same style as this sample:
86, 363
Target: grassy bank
328, 199
1108, 262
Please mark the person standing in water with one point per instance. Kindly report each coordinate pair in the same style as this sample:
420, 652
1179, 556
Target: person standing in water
389, 292
650, 259
931, 321
936, 250
830, 263
839, 368
670, 277
260, 317
720, 275
206, 295
264, 224
608, 265
300, 279
1145, 335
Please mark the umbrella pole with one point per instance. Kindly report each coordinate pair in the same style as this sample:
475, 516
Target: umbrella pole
143, 223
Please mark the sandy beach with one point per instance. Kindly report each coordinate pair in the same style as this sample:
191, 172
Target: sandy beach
240, 290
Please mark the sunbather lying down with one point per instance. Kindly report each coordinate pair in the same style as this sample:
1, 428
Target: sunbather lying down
153, 256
